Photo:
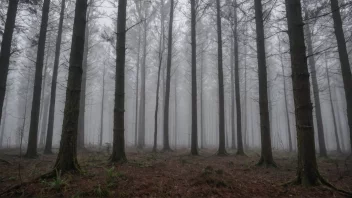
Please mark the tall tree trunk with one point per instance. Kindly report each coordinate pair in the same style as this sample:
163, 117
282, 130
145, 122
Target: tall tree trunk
286, 104
313, 73
232, 62
344, 62
44, 120
176, 106
137, 88
266, 152
161, 53
307, 170
340, 124
118, 152
5, 52
168, 80
102, 111
194, 143
240, 150
202, 129
3, 122
67, 157
222, 150
33, 129
51, 119
82, 103
338, 148
141, 129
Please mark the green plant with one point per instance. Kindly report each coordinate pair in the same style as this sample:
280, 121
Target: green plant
101, 192
58, 181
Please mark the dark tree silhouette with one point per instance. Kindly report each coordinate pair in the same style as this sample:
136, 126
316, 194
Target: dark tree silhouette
266, 152
118, 150
67, 157
33, 129
49, 135
5, 52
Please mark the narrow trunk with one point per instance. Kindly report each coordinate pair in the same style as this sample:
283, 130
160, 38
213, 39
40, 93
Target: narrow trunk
202, 129
51, 119
344, 62
44, 102
102, 111
161, 52
307, 170
266, 152
233, 107
137, 88
82, 103
3, 122
338, 148
33, 129
222, 150
240, 150
67, 157
286, 104
5, 52
168, 80
313, 74
194, 142
141, 129
118, 151
44, 120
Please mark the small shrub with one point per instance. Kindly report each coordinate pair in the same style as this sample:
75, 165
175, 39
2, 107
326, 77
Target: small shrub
101, 192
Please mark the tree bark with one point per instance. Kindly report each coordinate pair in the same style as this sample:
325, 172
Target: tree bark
118, 152
5, 52
222, 150
161, 52
240, 150
67, 157
202, 129
313, 73
266, 152
82, 103
307, 170
33, 129
344, 62
194, 141
51, 119
168, 80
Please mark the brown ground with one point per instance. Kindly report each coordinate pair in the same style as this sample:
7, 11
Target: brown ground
175, 174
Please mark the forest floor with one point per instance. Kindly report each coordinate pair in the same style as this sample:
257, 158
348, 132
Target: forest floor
173, 174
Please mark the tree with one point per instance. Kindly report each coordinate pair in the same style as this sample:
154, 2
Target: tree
168, 80
161, 52
194, 142
315, 86
118, 150
240, 150
141, 125
49, 135
338, 147
5, 52
266, 152
102, 110
222, 150
344, 62
307, 169
286, 103
33, 129
67, 157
